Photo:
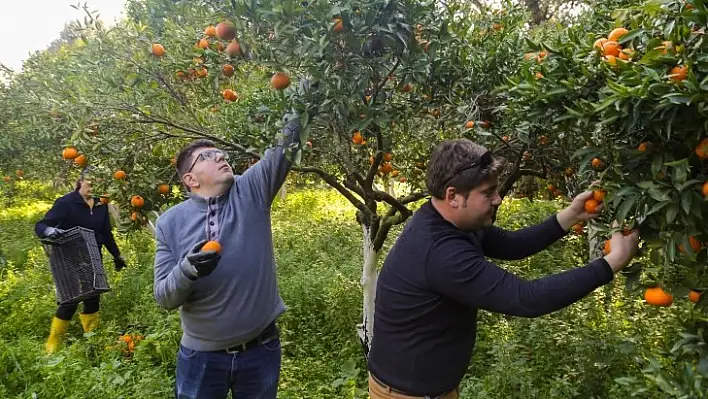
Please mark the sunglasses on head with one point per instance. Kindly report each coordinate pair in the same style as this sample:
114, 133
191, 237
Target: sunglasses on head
482, 162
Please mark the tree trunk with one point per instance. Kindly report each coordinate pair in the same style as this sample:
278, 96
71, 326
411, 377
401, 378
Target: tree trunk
390, 187
115, 214
538, 14
151, 227
283, 192
594, 241
369, 278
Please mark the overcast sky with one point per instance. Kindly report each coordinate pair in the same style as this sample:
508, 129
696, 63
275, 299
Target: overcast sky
27, 26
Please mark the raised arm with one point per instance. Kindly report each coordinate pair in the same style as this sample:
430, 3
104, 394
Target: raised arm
456, 270
502, 244
172, 284
265, 178
508, 245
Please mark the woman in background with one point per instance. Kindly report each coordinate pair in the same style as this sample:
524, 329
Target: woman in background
78, 208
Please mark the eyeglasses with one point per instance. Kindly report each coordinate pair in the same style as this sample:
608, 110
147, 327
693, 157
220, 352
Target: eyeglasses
483, 162
209, 155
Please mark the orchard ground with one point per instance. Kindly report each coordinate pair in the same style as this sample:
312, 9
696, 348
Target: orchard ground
596, 348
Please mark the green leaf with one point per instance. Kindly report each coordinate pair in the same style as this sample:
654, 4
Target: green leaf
606, 103
671, 213
631, 35
659, 206
658, 194
624, 191
686, 198
625, 208
656, 164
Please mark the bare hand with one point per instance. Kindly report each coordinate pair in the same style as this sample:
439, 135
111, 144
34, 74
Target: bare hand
623, 247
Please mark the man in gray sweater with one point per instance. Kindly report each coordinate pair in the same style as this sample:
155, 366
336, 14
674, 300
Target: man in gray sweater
228, 299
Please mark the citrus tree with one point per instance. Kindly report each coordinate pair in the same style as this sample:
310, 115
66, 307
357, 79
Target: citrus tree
376, 84
624, 93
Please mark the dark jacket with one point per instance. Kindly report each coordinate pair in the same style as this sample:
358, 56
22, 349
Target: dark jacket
71, 210
434, 280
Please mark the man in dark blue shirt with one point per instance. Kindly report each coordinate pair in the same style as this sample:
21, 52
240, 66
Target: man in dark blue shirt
436, 276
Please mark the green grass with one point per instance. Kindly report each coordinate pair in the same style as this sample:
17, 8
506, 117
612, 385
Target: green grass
573, 353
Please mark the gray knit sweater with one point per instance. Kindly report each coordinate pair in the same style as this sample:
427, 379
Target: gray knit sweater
240, 297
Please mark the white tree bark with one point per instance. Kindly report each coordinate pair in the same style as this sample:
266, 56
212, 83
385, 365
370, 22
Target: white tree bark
283, 192
390, 188
369, 278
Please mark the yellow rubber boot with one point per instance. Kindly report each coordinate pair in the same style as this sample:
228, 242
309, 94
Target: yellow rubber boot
56, 334
89, 321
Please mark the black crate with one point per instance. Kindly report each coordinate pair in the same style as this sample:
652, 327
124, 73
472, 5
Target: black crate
77, 267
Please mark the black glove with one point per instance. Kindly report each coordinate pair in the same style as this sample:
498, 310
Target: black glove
53, 233
119, 263
198, 263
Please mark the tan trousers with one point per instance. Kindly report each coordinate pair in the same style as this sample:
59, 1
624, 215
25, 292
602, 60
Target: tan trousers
380, 391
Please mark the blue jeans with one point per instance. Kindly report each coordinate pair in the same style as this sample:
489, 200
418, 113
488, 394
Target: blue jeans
252, 374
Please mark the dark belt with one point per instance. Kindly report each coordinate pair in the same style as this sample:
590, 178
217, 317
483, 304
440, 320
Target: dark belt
268, 335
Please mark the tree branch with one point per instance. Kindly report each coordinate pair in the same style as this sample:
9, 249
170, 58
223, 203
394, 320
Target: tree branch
387, 198
329, 179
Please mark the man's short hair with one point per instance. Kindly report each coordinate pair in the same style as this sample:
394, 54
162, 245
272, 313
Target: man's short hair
184, 158
449, 163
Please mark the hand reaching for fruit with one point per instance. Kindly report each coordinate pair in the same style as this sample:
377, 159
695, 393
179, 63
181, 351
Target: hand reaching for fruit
585, 206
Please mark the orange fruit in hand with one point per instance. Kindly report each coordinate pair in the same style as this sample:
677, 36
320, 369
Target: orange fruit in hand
608, 247
658, 297
616, 34
694, 296
591, 205
212, 246
599, 195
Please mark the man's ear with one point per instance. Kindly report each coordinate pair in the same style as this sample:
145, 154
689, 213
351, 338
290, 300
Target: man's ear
190, 181
450, 197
